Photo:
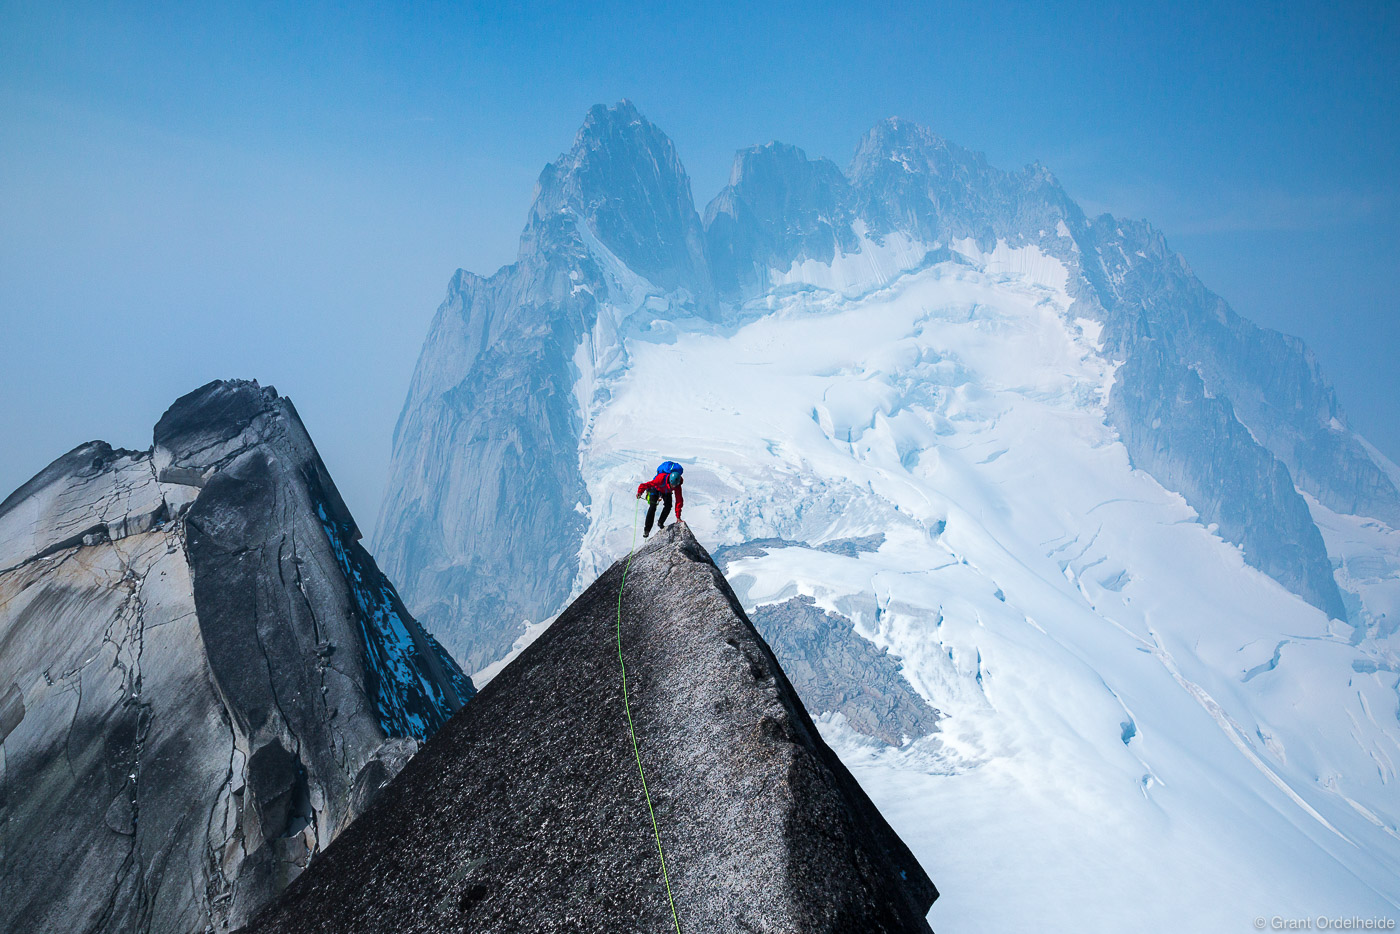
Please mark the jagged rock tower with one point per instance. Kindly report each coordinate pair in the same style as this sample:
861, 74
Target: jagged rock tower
526, 813
203, 677
486, 500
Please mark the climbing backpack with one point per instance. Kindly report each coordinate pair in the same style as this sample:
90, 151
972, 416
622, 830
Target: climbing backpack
670, 467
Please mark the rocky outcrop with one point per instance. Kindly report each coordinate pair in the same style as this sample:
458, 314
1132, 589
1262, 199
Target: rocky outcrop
205, 677
1195, 413
908, 180
1191, 442
623, 183
1272, 381
542, 825
835, 669
779, 206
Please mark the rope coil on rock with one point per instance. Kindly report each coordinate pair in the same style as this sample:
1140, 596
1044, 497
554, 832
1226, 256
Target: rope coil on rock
627, 705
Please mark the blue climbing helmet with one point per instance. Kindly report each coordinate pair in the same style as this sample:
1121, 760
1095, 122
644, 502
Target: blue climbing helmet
672, 472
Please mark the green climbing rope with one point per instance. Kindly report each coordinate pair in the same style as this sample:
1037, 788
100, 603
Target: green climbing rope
627, 705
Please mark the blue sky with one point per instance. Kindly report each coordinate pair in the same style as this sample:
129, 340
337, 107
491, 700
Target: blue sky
191, 191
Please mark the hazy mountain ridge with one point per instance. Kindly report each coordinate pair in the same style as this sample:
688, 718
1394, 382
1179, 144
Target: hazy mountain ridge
906, 181
613, 233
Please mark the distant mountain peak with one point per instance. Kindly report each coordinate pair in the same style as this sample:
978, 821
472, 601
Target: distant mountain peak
624, 180
911, 145
777, 157
619, 128
624, 111
779, 204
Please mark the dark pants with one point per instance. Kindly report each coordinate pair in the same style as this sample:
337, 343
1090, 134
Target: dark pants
665, 498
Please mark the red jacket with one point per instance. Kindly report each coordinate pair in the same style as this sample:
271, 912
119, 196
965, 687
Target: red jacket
661, 483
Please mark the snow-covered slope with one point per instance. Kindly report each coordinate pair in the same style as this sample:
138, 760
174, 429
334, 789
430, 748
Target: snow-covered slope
1117, 540
1138, 728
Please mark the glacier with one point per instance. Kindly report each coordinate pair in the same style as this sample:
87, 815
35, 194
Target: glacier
1117, 539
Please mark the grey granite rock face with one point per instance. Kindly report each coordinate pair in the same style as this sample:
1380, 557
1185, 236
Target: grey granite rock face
624, 181
906, 179
542, 826
206, 678
834, 668
778, 206
1192, 442
485, 475
1273, 382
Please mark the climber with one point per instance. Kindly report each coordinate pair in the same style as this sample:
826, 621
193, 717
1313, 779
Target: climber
660, 487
